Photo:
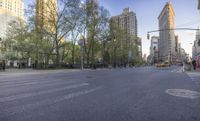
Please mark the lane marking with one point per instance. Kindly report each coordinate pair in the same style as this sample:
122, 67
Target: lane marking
38, 87
183, 93
34, 83
27, 81
26, 95
20, 109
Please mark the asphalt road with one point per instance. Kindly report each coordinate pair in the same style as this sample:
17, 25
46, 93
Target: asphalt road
139, 94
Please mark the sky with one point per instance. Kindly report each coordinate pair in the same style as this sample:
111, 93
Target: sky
147, 12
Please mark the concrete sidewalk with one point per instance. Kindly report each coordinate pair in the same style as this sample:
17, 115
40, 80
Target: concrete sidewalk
33, 71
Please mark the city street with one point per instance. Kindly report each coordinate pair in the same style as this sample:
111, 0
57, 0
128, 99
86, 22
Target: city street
132, 94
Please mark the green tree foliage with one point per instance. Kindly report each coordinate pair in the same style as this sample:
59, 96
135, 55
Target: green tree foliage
71, 21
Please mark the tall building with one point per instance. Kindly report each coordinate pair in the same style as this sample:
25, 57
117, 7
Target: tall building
154, 49
196, 49
127, 21
167, 43
10, 10
46, 14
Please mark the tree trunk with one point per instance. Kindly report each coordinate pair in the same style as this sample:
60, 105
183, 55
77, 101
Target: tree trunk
93, 58
73, 54
57, 55
88, 58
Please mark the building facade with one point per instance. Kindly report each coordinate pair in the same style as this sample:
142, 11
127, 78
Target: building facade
46, 14
196, 49
127, 23
10, 10
167, 43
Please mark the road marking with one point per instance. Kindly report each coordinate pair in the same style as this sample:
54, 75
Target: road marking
28, 80
38, 87
183, 93
195, 77
66, 97
24, 108
26, 95
53, 82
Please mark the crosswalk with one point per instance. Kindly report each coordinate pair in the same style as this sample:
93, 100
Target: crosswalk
155, 69
195, 77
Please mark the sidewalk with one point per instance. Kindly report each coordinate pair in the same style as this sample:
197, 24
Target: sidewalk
33, 71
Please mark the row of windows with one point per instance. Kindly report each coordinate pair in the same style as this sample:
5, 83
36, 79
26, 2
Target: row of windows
12, 6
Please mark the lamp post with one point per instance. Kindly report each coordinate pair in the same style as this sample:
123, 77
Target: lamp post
114, 62
81, 44
154, 53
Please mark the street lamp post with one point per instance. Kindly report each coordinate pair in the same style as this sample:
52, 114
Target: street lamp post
81, 44
154, 54
114, 61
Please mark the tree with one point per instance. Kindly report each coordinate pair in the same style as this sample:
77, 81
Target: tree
95, 29
59, 21
124, 46
17, 41
104, 33
78, 17
45, 34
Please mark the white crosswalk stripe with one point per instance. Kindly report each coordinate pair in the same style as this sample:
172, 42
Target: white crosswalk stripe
154, 69
195, 77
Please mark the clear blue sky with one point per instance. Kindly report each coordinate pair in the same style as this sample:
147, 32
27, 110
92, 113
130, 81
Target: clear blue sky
147, 12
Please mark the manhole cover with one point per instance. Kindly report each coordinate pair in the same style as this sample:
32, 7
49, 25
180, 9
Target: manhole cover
183, 93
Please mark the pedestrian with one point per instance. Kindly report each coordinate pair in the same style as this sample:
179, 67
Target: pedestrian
4, 65
194, 64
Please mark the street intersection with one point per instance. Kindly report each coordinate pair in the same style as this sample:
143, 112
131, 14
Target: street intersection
131, 94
